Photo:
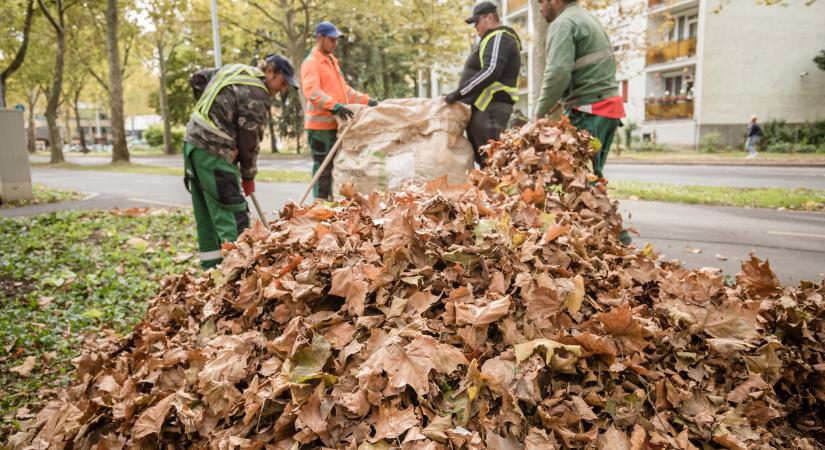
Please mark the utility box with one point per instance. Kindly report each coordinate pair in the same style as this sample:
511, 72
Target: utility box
15, 175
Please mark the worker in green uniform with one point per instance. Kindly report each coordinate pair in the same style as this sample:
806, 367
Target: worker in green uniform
580, 77
221, 146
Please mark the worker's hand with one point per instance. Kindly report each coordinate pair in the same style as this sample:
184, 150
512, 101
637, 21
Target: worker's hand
372, 102
343, 112
248, 187
452, 97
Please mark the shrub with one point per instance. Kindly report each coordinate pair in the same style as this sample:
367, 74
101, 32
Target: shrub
787, 147
154, 138
710, 143
649, 146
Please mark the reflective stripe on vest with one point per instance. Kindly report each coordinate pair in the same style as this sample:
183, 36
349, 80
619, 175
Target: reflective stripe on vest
592, 58
227, 75
486, 96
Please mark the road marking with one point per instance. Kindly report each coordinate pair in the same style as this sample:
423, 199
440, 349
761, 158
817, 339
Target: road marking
788, 233
155, 202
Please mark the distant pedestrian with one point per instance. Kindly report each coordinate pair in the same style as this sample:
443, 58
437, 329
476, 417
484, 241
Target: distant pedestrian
754, 135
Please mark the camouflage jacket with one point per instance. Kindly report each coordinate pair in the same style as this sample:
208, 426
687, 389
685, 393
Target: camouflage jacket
242, 112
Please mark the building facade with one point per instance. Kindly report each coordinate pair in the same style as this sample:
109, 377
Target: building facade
709, 66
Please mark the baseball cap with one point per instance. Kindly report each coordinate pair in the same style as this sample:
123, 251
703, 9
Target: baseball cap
480, 10
327, 29
284, 67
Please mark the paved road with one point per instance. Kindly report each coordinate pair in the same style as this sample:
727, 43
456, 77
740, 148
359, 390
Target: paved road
177, 161
737, 176
794, 242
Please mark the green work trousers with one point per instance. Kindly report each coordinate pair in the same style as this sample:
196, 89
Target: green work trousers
320, 143
600, 127
221, 213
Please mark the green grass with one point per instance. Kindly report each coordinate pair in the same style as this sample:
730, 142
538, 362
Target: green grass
66, 274
43, 194
271, 176
687, 156
795, 199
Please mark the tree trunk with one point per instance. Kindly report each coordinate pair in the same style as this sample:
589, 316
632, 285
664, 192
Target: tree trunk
82, 135
273, 141
163, 99
55, 141
32, 131
67, 133
120, 152
385, 74
538, 54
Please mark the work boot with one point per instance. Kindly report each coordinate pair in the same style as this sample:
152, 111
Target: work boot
624, 237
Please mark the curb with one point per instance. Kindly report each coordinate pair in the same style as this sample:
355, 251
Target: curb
715, 163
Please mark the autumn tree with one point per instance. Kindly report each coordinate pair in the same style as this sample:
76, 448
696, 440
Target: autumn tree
56, 15
165, 34
18, 42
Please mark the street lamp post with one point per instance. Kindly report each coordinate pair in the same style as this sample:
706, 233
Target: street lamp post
216, 34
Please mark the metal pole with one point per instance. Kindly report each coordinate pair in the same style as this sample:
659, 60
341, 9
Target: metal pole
216, 34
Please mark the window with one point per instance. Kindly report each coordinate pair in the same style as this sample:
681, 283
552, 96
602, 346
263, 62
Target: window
673, 85
684, 27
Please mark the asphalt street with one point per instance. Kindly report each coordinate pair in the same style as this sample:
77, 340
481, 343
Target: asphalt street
177, 161
736, 176
690, 175
794, 242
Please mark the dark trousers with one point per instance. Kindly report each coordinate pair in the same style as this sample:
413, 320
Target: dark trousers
320, 144
221, 213
487, 125
601, 128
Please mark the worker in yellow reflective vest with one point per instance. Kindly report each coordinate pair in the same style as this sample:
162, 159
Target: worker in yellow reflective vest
223, 133
489, 82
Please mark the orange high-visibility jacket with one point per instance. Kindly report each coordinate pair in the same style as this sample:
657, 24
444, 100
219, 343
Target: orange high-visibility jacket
324, 86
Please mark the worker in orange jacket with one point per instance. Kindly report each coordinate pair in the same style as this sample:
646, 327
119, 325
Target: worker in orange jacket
327, 95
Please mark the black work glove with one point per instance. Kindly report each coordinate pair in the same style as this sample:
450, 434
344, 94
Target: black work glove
452, 97
343, 112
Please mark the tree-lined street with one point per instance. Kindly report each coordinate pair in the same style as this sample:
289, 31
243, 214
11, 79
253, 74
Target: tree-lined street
794, 242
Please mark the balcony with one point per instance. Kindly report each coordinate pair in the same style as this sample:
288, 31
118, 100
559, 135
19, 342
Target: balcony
515, 5
669, 51
657, 6
664, 110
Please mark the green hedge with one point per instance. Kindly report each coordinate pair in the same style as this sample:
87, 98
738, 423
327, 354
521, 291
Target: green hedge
781, 137
154, 137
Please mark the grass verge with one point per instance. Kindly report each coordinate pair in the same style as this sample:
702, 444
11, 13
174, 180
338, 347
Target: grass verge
268, 176
794, 199
722, 157
44, 194
68, 274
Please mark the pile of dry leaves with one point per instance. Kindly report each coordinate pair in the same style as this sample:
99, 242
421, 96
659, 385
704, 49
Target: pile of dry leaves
501, 314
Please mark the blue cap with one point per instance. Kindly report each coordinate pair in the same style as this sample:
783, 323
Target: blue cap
283, 66
327, 29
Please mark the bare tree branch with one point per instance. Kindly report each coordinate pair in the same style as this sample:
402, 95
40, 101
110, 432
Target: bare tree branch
49, 16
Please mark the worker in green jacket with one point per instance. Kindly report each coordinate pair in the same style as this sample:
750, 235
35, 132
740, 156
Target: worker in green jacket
580, 76
221, 146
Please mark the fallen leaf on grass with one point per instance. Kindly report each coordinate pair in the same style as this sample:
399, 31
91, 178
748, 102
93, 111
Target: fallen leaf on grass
24, 369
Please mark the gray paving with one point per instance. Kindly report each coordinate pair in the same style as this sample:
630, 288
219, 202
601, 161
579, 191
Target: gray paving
689, 175
177, 161
716, 175
794, 242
